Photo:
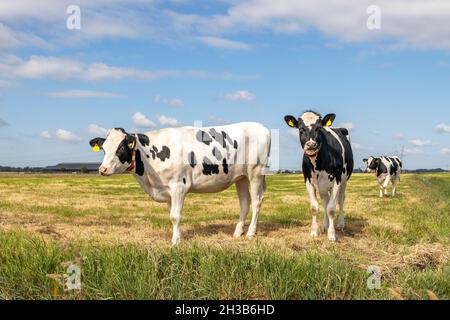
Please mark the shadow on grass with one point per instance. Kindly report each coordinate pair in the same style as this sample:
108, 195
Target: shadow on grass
228, 228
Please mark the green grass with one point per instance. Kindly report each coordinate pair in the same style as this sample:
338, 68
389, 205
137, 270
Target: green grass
124, 238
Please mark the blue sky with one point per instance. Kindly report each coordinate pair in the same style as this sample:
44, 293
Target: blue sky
144, 65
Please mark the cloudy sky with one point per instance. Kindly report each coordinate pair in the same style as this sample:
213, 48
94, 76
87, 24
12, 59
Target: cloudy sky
149, 64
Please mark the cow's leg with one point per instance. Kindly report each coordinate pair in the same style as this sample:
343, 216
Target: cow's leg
314, 208
177, 195
380, 182
394, 185
325, 199
257, 188
386, 184
244, 202
341, 199
331, 210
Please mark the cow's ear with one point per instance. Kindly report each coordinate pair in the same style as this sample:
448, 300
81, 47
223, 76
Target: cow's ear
328, 120
96, 144
291, 121
365, 160
131, 141
378, 161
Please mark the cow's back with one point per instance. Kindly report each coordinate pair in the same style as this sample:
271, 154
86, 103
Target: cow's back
208, 159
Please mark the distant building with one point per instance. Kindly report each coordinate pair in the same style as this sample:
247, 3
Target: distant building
73, 167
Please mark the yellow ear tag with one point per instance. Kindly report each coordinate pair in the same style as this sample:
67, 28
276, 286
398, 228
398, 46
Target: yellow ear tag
291, 123
96, 148
131, 145
329, 123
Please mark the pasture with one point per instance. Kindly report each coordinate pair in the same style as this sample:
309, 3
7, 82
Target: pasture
124, 239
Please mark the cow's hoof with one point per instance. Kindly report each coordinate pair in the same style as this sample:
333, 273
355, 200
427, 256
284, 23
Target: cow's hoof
315, 231
332, 237
176, 241
250, 236
341, 225
238, 232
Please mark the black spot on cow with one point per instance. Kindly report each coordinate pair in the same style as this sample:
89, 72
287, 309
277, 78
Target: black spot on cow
148, 156
235, 144
124, 152
153, 154
209, 168
217, 154
191, 159
227, 138
184, 180
164, 153
204, 137
143, 139
225, 166
218, 137
139, 164
155, 149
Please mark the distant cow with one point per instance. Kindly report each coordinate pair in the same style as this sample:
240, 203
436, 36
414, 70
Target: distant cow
387, 170
327, 166
172, 162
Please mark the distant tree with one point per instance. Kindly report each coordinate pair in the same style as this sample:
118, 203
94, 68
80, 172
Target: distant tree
84, 169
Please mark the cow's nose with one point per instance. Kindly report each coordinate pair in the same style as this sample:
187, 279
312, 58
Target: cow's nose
311, 145
103, 170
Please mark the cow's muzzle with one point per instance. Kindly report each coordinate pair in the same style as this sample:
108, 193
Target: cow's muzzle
311, 149
103, 171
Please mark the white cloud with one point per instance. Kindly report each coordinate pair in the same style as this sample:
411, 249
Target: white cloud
420, 142
65, 135
60, 134
45, 135
445, 151
174, 102
75, 94
442, 128
413, 151
357, 146
12, 39
142, 121
95, 129
419, 24
168, 121
50, 67
4, 84
347, 125
224, 43
240, 95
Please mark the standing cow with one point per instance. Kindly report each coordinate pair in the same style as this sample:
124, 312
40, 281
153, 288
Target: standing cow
172, 162
327, 166
387, 169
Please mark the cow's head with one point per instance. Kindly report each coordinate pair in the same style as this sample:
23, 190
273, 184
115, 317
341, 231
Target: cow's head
118, 147
372, 164
311, 129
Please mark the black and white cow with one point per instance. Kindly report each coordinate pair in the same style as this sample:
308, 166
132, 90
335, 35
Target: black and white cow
327, 166
172, 162
387, 169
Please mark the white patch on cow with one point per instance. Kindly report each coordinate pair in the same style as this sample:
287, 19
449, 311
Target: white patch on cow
309, 118
110, 161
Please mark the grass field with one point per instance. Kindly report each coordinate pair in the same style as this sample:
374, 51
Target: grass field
124, 239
